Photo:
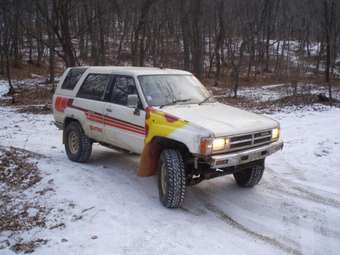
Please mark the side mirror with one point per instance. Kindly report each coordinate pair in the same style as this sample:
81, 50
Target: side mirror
132, 101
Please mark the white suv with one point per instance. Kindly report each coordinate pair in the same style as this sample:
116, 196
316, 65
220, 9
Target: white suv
168, 117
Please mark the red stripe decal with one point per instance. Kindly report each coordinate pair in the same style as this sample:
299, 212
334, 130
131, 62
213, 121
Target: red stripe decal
110, 121
123, 123
124, 128
113, 122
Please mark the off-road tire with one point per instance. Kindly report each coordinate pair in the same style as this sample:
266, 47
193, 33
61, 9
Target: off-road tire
249, 177
83, 153
172, 174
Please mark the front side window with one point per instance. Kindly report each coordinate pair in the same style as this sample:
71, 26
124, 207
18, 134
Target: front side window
122, 87
162, 90
94, 86
72, 78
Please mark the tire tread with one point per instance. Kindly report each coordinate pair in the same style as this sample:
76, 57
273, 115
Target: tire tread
250, 177
176, 178
85, 145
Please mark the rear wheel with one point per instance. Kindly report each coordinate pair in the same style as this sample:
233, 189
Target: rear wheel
251, 176
171, 178
77, 145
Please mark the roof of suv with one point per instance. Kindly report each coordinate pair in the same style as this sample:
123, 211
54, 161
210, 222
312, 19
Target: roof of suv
135, 70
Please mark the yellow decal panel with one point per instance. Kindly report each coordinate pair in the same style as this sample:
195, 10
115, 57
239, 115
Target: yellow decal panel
157, 124
161, 124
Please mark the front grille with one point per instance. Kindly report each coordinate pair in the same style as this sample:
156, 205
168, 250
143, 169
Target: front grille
237, 145
240, 142
240, 138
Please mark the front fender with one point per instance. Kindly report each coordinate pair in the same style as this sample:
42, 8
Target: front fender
163, 125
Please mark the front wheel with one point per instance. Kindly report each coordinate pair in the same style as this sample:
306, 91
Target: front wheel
251, 176
171, 178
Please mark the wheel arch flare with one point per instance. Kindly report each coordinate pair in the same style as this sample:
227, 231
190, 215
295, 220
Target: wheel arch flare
162, 128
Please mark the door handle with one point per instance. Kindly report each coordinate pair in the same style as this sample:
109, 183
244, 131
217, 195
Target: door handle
108, 110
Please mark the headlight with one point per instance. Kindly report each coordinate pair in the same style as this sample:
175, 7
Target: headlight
275, 134
211, 145
218, 144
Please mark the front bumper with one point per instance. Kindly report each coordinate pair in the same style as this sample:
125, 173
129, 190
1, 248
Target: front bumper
243, 157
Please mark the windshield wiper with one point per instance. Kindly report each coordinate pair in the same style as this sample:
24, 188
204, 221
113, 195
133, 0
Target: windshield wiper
205, 100
175, 102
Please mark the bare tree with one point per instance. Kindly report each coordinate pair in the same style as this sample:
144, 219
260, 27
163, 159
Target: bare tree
330, 35
196, 35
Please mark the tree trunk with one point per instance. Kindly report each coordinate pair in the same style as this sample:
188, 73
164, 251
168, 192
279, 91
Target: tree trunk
185, 31
8, 75
51, 45
138, 43
237, 69
197, 38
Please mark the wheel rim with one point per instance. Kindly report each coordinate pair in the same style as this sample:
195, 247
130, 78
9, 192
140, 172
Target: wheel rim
163, 179
73, 142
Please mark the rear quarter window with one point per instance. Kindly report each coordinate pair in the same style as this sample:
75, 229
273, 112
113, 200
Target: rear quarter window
72, 78
94, 86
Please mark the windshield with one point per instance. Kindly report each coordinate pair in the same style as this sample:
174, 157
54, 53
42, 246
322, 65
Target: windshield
160, 90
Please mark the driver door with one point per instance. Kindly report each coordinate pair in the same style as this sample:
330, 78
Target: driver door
124, 125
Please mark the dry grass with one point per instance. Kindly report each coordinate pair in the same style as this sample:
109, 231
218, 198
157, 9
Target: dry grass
267, 78
16, 171
28, 247
276, 105
19, 176
36, 109
31, 100
33, 96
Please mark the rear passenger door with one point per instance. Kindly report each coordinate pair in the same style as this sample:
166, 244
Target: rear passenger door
90, 100
124, 126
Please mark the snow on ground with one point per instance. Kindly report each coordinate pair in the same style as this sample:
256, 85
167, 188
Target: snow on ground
294, 210
3, 87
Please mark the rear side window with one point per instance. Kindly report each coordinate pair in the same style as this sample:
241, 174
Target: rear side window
72, 78
94, 86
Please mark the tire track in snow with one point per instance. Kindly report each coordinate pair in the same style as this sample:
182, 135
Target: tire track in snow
317, 198
220, 214
233, 223
286, 187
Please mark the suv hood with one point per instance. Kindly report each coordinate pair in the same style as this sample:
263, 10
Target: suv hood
221, 119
